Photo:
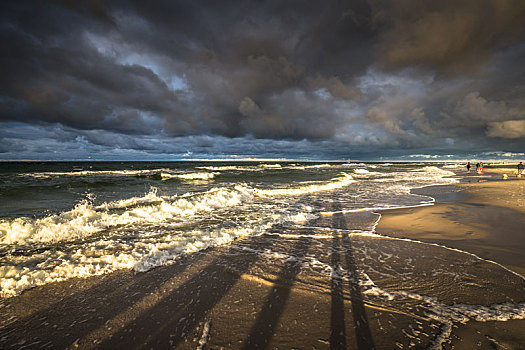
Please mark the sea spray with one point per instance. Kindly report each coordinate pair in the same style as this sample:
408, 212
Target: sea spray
199, 209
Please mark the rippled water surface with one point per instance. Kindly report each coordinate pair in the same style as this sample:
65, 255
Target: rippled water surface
64, 220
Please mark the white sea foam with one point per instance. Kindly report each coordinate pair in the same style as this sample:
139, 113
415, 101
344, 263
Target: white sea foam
112, 253
189, 176
315, 166
97, 234
354, 164
496, 312
389, 207
148, 198
433, 172
447, 315
338, 182
86, 173
304, 167
271, 166
454, 166
85, 219
404, 182
228, 168
204, 337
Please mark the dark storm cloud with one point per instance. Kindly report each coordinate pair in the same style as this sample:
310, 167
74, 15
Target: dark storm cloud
29, 142
340, 75
448, 35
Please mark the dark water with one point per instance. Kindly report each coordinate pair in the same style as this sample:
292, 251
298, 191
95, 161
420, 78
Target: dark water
64, 220
60, 220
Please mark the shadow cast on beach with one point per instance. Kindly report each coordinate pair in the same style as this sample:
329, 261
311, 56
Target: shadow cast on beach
263, 329
164, 306
337, 322
82, 310
180, 311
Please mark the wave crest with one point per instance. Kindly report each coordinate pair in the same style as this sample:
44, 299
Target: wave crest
85, 219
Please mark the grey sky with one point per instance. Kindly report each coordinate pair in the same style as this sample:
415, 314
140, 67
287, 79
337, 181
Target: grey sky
296, 79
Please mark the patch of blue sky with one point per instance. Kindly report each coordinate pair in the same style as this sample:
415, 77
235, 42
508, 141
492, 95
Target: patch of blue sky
323, 93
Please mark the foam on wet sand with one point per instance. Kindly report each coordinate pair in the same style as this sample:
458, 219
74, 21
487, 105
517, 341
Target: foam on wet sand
318, 284
487, 221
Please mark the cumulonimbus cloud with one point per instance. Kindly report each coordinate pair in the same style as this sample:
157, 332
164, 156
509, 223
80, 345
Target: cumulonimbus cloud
384, 73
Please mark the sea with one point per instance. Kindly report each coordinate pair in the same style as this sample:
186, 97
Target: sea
63, 220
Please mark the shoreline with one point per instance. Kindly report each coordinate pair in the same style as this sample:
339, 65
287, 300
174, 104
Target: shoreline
482, 218
322, 285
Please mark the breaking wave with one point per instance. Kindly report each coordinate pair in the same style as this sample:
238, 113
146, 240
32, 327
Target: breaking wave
189, 176
94, 172
85, 219
343, 180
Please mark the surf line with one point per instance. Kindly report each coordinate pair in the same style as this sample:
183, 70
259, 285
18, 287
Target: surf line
430, 203
375, 234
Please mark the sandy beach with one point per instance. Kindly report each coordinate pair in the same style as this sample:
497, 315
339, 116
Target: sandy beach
262, 175
488, 221
315, 287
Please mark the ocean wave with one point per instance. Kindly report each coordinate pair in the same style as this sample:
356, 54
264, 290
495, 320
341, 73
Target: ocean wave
425, 176
111, 254
270, 166
94, 173
189, 176
454, 166
85, 219
338, 182
315, 166
262, 167
367, 174
433, 172
355, 164
229, 168
163, 173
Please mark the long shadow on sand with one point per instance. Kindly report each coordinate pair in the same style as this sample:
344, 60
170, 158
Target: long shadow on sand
176, 305
361, 325
95, 312
264, 327
337, 315
180, 312
76, 314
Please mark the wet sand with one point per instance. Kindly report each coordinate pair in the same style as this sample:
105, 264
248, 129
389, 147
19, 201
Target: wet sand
489, 221
326, 284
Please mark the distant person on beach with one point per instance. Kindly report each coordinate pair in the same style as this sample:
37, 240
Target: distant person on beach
479, 168
520, 168
468, 167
